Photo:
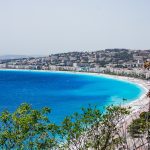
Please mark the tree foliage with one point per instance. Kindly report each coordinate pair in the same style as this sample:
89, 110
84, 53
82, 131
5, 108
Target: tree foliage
28, 128
140, 126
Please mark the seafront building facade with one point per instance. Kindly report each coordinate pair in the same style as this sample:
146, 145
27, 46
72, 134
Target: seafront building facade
112, 61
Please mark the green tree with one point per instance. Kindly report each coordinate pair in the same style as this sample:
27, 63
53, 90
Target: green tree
139, 126
76, 129
27, 128
30, 129
93, 129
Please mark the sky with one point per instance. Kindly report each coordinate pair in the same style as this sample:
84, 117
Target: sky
42, 27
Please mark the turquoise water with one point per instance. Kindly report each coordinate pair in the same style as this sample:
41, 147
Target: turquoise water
65, 93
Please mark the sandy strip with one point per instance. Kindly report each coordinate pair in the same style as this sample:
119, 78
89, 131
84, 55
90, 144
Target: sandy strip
141, 104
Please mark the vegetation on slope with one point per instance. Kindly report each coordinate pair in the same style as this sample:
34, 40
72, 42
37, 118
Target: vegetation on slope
139, 126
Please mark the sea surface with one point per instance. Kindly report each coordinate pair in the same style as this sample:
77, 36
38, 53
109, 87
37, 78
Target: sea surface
65, 93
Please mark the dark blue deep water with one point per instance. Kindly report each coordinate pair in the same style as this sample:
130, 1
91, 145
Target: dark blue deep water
65, 93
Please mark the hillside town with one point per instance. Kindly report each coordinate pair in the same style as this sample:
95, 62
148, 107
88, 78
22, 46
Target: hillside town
112, 61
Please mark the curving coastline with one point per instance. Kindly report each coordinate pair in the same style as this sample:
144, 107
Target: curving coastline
142, 101
138, 105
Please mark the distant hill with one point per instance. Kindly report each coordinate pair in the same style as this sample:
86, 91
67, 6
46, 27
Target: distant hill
6, 57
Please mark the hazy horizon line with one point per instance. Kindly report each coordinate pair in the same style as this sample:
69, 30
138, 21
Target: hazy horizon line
17, 54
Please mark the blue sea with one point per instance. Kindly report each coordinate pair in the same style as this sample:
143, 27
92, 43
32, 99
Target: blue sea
65, 93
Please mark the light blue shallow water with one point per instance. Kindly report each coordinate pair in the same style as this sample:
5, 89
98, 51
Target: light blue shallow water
65, 93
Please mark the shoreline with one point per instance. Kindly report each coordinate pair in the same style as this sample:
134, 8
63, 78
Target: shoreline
137, 105
142, 101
